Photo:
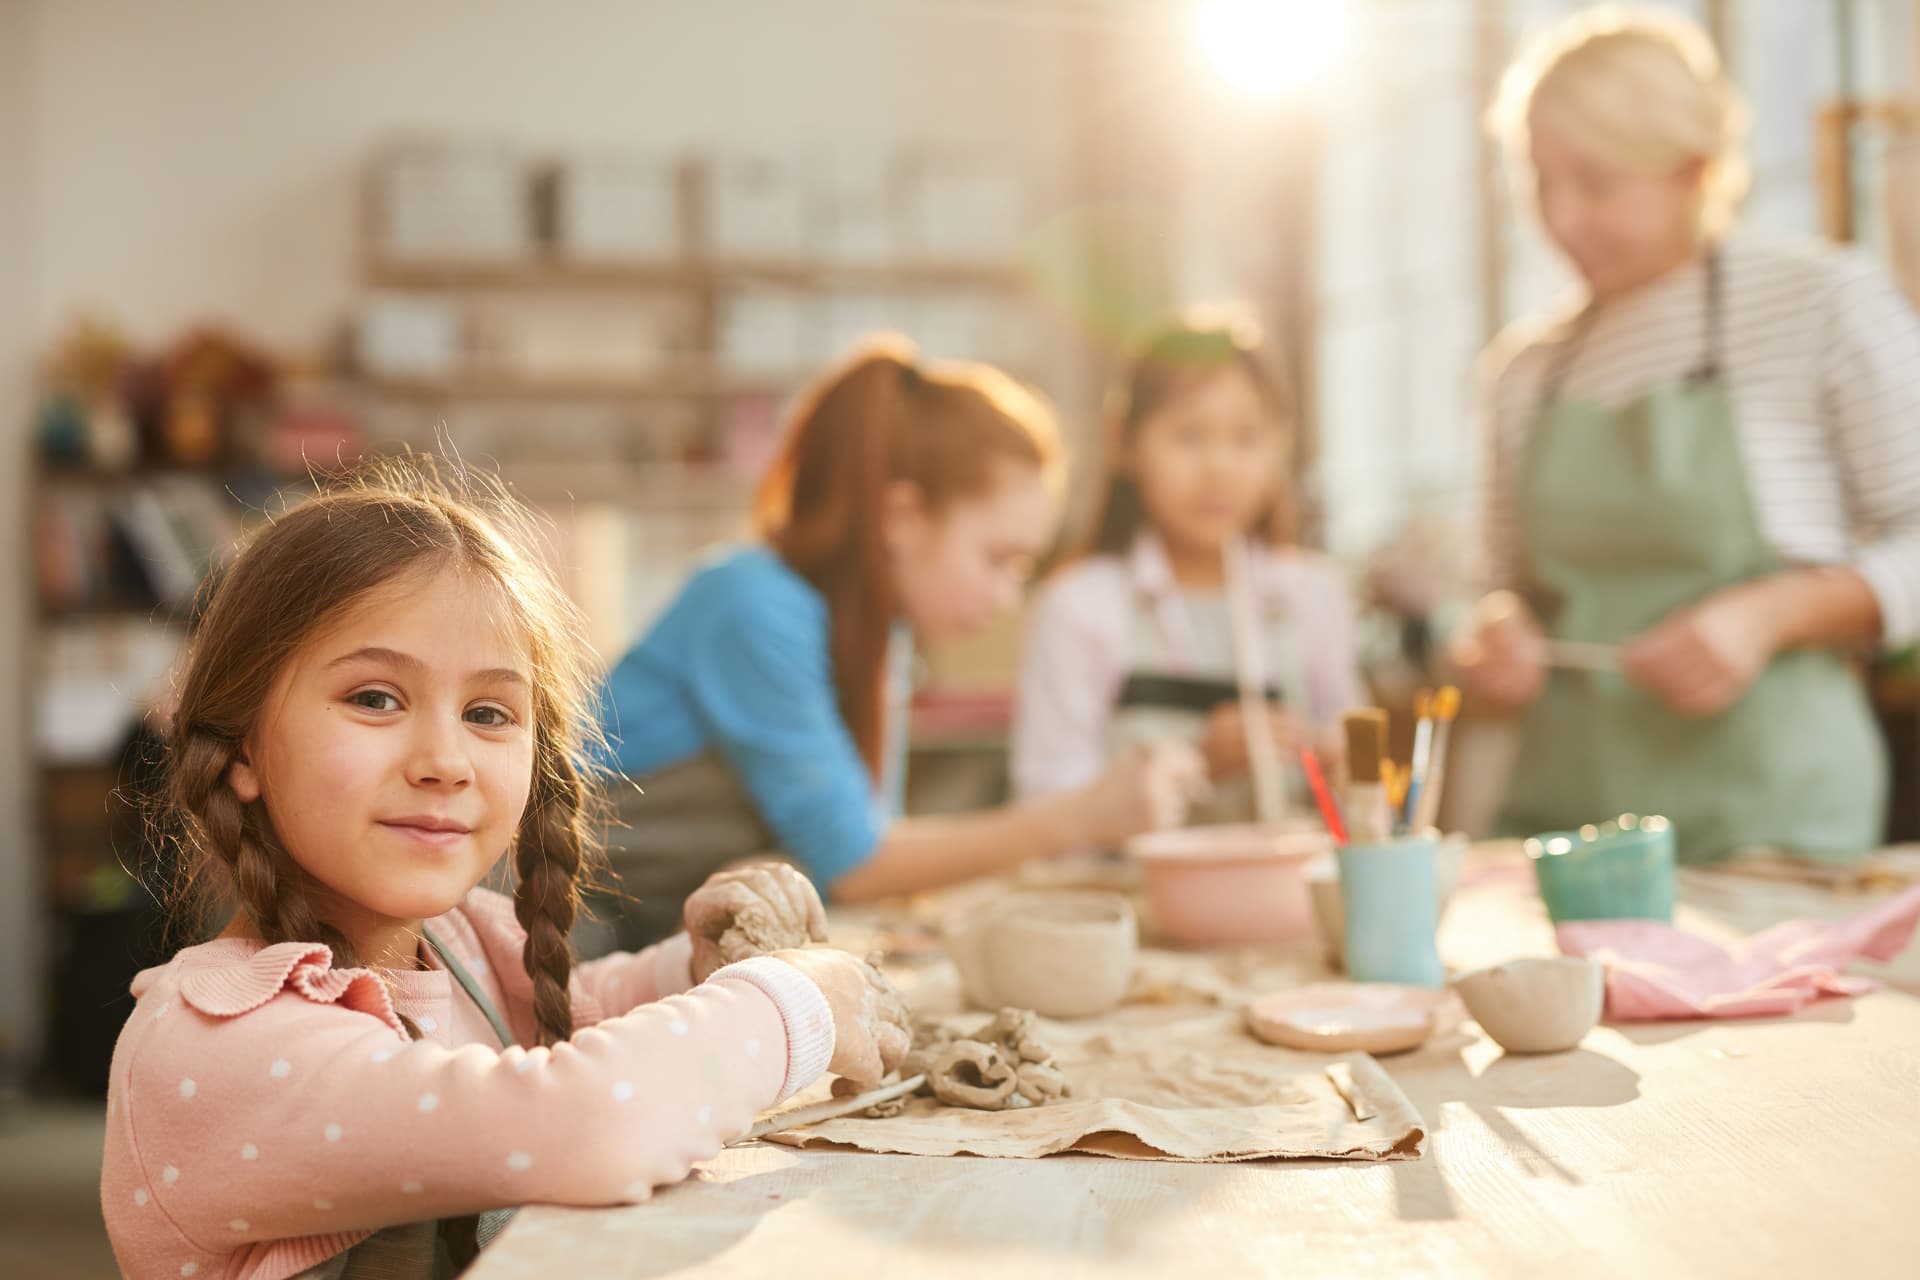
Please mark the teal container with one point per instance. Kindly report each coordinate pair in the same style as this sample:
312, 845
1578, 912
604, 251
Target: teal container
1392, 910
1619, 870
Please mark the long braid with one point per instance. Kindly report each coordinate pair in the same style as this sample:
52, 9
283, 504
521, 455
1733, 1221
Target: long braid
266, 883
548, 857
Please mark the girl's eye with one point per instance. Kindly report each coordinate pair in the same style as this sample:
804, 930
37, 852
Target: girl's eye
374, 700
489, 717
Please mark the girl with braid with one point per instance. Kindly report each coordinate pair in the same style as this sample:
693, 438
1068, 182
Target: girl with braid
374, 1059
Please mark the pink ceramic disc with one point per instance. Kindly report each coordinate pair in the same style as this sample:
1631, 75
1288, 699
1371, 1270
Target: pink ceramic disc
1338, 1017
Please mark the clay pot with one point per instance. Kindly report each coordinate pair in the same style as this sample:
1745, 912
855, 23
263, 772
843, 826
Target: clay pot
1227, 886
1539, 1004
1061, 954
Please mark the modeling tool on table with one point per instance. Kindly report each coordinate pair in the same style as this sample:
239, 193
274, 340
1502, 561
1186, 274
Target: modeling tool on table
1426, 809
1263, 757
1367, 820
1323, 794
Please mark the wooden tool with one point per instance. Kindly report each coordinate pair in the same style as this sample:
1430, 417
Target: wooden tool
1263, 757
832, 1109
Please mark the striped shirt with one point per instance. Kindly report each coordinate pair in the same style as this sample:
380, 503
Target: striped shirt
1821, 355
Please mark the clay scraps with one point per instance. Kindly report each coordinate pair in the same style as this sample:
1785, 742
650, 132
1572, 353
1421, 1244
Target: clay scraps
1001, 1066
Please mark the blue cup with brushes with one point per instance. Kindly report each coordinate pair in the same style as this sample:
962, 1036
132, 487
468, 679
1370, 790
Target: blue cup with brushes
1622, 869
1388, 879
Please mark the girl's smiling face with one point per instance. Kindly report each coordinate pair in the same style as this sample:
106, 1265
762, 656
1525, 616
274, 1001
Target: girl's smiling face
394, 753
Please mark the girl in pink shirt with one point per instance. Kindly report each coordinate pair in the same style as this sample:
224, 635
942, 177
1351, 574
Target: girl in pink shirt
375, 1056
1132, 641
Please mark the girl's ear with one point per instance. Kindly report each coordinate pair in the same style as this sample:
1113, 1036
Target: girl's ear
242, 778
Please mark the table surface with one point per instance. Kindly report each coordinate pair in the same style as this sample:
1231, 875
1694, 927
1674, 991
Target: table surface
1776, 1147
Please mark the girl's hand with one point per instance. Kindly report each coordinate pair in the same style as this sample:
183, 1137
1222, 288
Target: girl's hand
1702, 659
1149, 788
1224, 745
871, 1034
751, 911
1502, 653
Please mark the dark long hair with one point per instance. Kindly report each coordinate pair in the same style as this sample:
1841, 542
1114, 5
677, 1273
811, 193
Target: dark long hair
1168, 363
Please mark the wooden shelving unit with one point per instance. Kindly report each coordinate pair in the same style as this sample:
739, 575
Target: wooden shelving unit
692, 372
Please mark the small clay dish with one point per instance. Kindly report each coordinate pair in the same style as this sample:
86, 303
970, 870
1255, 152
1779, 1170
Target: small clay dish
1538, 1004
1343, 1017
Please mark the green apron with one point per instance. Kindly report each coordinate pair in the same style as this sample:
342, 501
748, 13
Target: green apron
1626, 516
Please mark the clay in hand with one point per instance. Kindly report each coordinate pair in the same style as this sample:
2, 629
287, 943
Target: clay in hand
752, 911
871, 1030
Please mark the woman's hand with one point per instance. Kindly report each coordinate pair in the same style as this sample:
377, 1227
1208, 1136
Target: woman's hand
1148, 788
1224, 744
1502, 653
871, 1033
1702, 659
751, 911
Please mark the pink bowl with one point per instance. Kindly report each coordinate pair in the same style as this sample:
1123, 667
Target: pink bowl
1231, 886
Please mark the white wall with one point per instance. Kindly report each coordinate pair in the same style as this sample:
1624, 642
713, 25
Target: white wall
21, 885
199, 156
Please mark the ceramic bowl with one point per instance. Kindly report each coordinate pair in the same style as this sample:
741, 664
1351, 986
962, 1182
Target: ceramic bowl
1618, 870
1228, 886
1539, 1004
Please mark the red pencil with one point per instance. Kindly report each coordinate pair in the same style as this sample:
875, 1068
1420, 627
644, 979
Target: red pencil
1329, 807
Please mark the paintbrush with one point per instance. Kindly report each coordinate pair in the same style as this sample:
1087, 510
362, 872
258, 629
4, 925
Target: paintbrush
1395, 777
1426, 810
1367, 820
1323, 794
1422, 758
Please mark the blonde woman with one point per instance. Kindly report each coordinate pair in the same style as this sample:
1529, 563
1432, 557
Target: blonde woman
1710, 466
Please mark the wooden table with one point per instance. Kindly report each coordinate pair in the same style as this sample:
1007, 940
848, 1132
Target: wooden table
1781, 1147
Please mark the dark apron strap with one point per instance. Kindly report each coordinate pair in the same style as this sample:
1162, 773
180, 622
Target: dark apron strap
1710, 368
471, 986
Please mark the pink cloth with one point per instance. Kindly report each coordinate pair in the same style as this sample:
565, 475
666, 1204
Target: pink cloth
1655, 971
267, 1111
1079, 643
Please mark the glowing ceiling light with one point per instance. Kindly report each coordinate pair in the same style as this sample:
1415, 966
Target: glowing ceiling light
1268, 46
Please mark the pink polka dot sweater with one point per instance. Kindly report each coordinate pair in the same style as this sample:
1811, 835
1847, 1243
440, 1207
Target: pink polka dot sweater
268, 1111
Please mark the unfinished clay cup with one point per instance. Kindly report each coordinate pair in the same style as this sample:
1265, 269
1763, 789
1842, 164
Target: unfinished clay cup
1063, 954
1538, 1004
